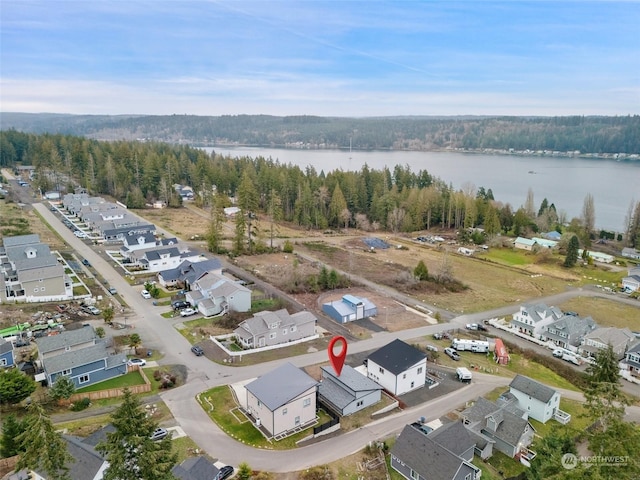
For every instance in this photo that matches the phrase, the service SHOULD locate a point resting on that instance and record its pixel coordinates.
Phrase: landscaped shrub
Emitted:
(80, 404)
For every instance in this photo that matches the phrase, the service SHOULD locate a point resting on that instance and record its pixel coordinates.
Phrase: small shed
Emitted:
(500, 354)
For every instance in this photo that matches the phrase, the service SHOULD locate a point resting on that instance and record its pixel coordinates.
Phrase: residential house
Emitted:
(67, 341)
(538, 400)
(188, 272)
(214, 294)
(160, 258)
(231, 211)
(420, 456)
(267, 328)
(185, 192)
(137, 242)
(350, 308)
(620, 340)
(7, 358)
(498, 425)
(30, 272)
(545, 243)
(532, 318)
(631, 283)
(398, 367)
(568, 331)
(553, 235)
(598, 256)
(631, 360)
(115, 231)
(524, 243)
(195, 468)
(283, 400)
(348, 392)
(79, 355)
(631, 253)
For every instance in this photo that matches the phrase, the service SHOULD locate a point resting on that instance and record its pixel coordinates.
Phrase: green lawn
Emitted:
(221, 407)
(128, 380)
(508, 256)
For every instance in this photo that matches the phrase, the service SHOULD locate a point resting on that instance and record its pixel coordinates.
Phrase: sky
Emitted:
(329, 58)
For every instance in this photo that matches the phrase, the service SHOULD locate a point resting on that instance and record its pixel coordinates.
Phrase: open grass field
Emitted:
(606, 313)
(15, 220)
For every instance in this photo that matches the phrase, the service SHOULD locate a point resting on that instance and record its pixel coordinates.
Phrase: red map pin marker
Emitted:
(337, 360)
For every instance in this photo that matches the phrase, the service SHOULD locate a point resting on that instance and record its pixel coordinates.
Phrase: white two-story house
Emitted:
(398, 367)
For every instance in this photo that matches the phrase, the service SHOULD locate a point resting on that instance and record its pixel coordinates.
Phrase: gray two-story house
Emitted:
(266, 328)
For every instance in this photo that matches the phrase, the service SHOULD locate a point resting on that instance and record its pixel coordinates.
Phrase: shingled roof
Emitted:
(534, 389)
(397, 356)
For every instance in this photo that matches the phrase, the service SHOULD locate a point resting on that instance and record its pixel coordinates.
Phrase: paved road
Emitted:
(203, 374)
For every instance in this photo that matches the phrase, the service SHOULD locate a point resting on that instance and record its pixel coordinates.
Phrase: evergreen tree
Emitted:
(11, 430)
(274, 210)
(248, 203)
(131, 453)
(323, 278)
(605, 401)
(240, 230)
(421, 272)
(62, 388)
(15, 386)
(572, 252)
(244, 472)
(43, 449)
(550, 449)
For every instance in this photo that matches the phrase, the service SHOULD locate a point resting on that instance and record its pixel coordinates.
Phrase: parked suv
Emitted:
(451, 352)
(180, 304)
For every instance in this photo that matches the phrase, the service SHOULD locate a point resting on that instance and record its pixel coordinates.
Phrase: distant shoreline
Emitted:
(620, 157)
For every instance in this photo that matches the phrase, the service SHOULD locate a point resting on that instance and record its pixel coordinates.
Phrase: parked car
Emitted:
(432, 348)
(180, 304)
(438, 336)
(91, 309)
(112, 290)
(451, 352)
(159, 434)
(86, 263)
(145, 294)
(197, 350)
(557, 353)
(187, 311)
(225, 472)
(80, 234)
(141, 362)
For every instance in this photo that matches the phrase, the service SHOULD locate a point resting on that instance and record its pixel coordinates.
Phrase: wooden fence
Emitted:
(114, 392)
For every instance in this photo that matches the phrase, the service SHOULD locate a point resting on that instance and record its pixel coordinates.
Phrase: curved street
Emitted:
(160, 334)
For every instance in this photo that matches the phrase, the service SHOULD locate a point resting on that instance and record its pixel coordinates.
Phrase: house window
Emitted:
(83, 378)
(284, 411)
(67, 348)
(42, 289)
(66, 372)
(35, 290)
(381, 370)
(272, 335)
(467, 476)
(419, 370)
(404, 375)
(293, 329)
(413, 474)
(3, 361)
(259, 403)
(284, 331)
(306, 402)
(412, 383)
(297, 421)
(360, 403)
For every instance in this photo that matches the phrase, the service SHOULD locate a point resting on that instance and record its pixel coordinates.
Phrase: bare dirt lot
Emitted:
(281, 270)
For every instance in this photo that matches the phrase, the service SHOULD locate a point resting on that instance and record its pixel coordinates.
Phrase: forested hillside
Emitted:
(138, 173)
(588, 135)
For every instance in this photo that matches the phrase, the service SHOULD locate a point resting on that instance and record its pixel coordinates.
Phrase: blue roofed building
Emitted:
(350, 308)
(6, 353)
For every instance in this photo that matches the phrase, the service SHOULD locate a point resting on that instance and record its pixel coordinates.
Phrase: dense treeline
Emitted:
(592, 135)
(138, 173)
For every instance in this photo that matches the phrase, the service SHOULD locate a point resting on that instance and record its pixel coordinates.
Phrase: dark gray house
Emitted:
(502, 426)
(188, 272)
(434, 456)
(569, 330)
(348, 393)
